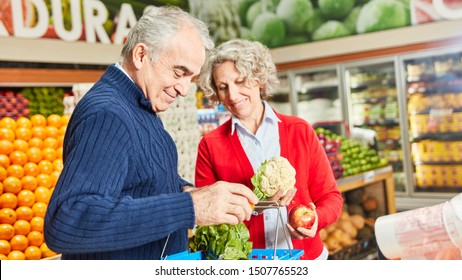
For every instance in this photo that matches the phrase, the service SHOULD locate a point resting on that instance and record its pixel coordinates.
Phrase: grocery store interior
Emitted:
(393, 96)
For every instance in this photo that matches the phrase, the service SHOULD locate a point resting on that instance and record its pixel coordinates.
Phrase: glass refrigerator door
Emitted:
(317, 94)
(434, 93)
(373, 103)
(280, 99)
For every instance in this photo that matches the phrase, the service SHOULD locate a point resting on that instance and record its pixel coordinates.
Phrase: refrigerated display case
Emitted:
(317, 94)
(412, 100)
(433, 91)
(281, 98)
(372, 97)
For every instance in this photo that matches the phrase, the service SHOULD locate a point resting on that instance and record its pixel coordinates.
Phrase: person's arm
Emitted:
(93, 207)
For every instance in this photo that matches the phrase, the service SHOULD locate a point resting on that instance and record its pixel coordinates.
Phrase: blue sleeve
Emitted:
(91, 209)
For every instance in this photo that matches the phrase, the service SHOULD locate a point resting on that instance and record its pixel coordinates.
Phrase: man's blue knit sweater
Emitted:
(119, 194)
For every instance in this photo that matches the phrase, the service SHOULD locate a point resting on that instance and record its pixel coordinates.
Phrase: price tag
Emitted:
(369, 176)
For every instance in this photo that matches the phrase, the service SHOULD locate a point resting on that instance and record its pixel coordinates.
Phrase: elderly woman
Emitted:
(240, 74)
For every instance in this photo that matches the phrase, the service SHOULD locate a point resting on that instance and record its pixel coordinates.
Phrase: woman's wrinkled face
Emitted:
(171, 75)
(240, 97)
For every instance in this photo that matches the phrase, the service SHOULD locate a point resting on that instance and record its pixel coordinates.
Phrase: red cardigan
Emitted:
(221, 157)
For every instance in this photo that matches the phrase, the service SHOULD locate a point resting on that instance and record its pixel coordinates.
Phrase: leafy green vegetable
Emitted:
(269, 29)
(381, 15)
(335, 9)
(329, 30)
(224, 242)
(295, 14)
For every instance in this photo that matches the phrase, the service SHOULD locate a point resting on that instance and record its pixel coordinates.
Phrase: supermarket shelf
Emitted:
(384, 174)
(26, 77)
(361, 43)
(57, 51)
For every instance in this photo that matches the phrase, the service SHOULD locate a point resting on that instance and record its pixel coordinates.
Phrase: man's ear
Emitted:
(139, 55)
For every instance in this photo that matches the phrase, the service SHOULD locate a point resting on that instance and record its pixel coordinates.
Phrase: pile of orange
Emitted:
(30, 165)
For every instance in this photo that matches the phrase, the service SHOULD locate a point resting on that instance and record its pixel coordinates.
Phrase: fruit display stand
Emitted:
(367, 196)
(381, 176)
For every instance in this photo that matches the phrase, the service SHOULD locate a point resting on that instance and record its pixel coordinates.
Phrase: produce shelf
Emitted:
(382, 175)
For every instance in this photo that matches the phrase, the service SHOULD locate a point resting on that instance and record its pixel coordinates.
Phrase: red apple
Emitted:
(301, 216)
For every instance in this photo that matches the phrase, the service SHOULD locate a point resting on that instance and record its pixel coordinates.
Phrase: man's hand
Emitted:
(222, 203)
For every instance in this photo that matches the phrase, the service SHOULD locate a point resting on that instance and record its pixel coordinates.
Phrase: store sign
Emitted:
(275, 23)
(87, 20)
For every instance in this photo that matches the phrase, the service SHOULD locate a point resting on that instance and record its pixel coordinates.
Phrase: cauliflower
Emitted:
(273, 175)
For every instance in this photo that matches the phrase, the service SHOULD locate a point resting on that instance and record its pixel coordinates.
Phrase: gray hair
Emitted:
(157, 26)
(253, 61)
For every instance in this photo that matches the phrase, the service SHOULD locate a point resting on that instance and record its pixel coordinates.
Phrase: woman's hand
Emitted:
(283, 200)
(302, 233)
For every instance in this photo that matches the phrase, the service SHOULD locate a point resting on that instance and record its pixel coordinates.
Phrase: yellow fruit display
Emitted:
(30, 165)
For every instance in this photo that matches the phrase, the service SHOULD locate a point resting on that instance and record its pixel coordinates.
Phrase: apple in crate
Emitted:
(301, 216)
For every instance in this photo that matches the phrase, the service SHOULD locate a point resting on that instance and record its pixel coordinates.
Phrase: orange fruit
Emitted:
(54, 176)
(52, 132)
(31, 169)
(8, 122)
(49, 153)
(18, 157)
(42, 194)
(16, 255)
(44, 180)
(54, 120)
(26, 198)
(46, 166)
(36, 142)
(59, 152)
(3, 257)
(5, 247)
(33, 253)
(35, 238)
(1, 187)
(39, 209)
(23, 133)
(7, 134)
(34, 154)
(15, 170)
(60, 140)
(7, 216)
(29, 183)
(4, 161)
(58, 165)
(39, 132)
(19, 242)
(3, 173)
(46, 252)
(6, 232)
(6, 147)
(51, 142)
(22, 227)
(8, 200)
(12, 185)
(24, 213)
(36, 224)
(20, 145)
(65, 119)
(62, 130)
(23, 122)
(38, 120)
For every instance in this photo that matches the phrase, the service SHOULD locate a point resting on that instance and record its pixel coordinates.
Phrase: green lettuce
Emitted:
(224, 242)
